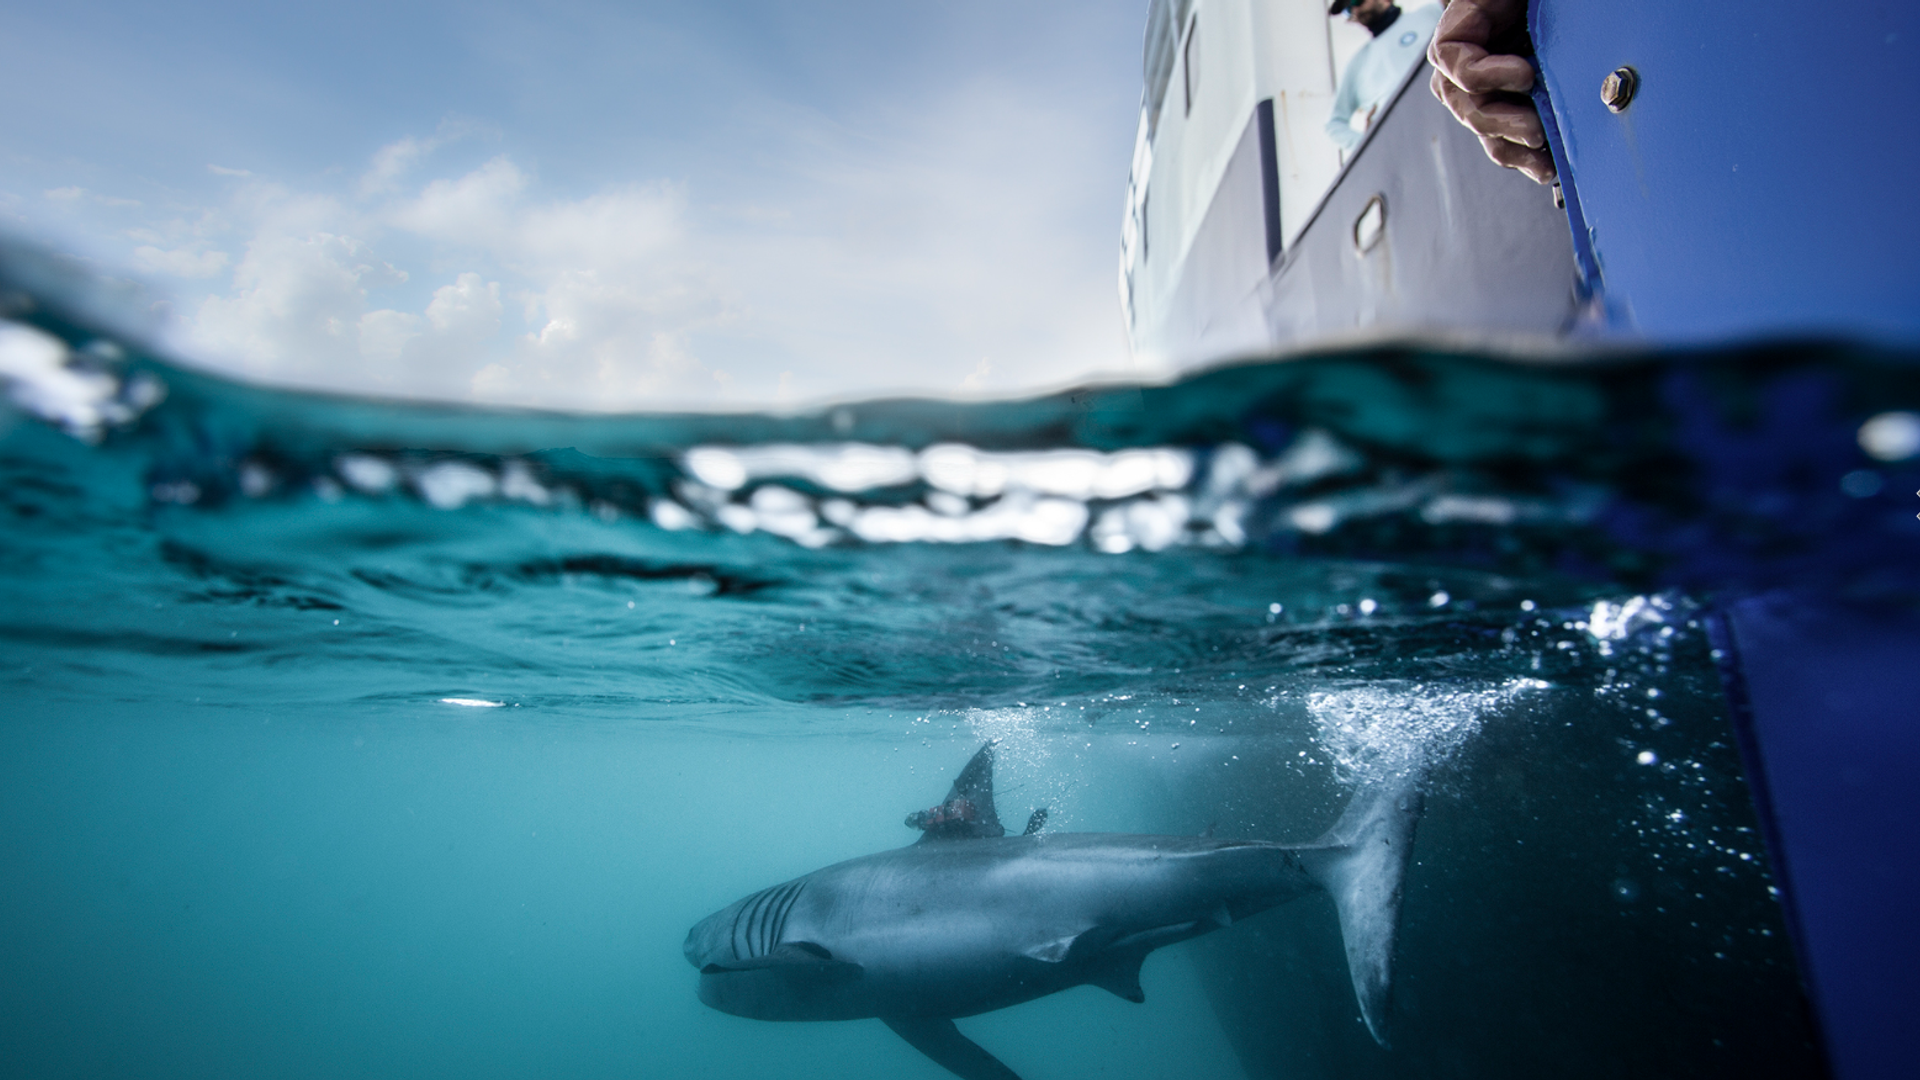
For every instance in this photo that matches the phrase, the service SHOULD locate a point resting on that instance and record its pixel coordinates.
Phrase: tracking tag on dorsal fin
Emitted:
(968, 812)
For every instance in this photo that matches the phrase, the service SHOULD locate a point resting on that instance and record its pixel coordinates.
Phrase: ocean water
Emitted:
(350, 738)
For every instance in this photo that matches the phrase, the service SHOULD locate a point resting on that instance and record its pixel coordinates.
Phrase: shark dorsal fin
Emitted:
(968, 812)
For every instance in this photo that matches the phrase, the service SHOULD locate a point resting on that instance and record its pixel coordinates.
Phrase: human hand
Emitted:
(1477, 84)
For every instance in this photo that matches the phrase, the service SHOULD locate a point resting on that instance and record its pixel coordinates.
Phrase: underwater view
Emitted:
(359, 738)
(1202, 539)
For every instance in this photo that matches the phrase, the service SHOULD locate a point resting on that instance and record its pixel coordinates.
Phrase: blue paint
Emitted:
(1829, 691)
(1755, 186)
(1758, 183)
(1590, 282)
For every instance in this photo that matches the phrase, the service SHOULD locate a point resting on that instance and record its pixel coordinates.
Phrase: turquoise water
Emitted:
(370, 739)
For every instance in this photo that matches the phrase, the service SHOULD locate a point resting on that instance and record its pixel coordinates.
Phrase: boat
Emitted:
(1730, 175)
(1748, 187)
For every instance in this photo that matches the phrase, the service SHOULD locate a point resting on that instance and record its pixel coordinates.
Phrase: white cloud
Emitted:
(920, 256)
(627, 229)
(453, 339)
(472, 211)
(74, 199)
(934, 252)
(390, 163)
(396, 159)
(606, 289)
(490, 383)
(385, 334)
(469, 307)
(296, 306)
(189, 261)
(922, 193)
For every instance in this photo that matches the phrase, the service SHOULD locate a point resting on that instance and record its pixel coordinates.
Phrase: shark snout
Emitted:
(703, 941)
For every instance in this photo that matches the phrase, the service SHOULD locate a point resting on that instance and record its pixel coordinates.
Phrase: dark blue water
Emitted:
(357, 738)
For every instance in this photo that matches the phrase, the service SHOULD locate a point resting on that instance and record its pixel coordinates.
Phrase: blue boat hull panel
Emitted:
(1759, 183)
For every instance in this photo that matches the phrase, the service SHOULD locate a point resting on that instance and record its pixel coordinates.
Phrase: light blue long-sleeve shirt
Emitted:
(1377, 69)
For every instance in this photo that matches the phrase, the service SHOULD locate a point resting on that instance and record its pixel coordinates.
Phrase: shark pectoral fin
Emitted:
(1116, 967)
(940, 1040)
(1118, 973)
(794, 957)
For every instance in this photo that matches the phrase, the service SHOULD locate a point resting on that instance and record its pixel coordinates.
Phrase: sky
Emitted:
(592, 205)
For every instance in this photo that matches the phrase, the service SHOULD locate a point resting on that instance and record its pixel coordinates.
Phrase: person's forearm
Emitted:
(1340, 130)
(1475, 82)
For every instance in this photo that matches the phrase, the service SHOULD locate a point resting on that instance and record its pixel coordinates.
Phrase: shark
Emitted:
(968, 919)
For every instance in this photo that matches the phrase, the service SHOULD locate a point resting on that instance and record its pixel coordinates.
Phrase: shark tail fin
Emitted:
(1362, 863)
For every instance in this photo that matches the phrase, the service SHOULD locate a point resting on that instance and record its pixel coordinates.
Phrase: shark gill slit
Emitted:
(763, 922)
(786, 908)
(757, 929)
(743, 943)
(766, 933)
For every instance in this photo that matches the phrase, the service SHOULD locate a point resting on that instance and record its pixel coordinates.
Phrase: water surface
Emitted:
(354, 738)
